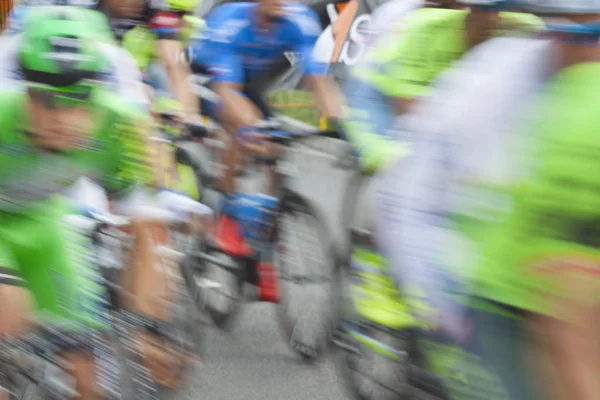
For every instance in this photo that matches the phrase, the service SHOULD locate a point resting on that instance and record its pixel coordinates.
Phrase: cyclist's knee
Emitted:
(16, 304)
(239, 112)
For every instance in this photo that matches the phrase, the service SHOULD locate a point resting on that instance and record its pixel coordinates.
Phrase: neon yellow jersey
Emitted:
(551, 237)
(141, 41)
(431, 40)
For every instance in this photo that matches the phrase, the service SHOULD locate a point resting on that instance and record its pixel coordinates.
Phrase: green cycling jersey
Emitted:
(115, 155)
(38, 249)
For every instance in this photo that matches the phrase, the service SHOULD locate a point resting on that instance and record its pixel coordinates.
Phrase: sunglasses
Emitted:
(56, 99)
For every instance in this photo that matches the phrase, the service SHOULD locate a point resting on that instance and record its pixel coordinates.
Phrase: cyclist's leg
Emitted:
(14, 297)
(503, 341)
(56, 265)
(149, 285)
(257, 99)
(235, 111)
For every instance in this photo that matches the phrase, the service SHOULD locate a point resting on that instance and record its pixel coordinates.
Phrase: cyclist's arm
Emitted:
(228, 83)
(169, 49)
(327, 95)
(326, 91)
(367, 119)
(399, 64)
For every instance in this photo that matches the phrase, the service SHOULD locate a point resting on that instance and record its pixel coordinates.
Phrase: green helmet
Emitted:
(59, 47)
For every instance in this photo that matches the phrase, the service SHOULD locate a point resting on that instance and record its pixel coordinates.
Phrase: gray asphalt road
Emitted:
(252, 361)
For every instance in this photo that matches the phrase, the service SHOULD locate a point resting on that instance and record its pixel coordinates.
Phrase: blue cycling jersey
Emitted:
(234, 48)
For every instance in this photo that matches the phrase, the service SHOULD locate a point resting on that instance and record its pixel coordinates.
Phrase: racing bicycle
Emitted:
(290, 230)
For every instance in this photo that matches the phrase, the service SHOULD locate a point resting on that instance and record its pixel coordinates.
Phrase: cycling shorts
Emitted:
(212, 109)
(39, 251)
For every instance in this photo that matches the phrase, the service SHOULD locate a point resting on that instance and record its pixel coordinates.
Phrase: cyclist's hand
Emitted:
(16, 304)
(196, 130)
(255, 142)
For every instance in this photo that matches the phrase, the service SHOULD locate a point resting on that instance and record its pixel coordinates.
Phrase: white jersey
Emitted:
(466, 136)
(388, 17)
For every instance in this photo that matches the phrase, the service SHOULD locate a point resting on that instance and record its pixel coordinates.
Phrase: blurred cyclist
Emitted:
(149, 30)
(153, 31)
(498, 195)
(124, 76)
(400, 68)
(242, 40)
(62, 126)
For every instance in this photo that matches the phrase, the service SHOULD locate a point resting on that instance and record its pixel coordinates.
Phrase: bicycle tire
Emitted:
(395, 383)
(125, 390)
(32, 392)
(348, 212)
(192, 270)
(188, 314)
(187, 335)
(293, 203)
(351, 349)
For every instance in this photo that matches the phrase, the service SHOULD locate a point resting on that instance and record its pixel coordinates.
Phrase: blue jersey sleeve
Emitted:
(308, 29)
(218, 50)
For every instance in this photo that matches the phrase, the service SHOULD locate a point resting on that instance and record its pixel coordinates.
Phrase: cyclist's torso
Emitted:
(430, 40)
(551, 231)
(28, 177)
(235, 24)
(439, 203)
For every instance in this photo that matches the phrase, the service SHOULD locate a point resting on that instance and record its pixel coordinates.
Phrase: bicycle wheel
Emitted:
(31, 391)
(113, 377)
(186, 334)
(215, 284)
(368, 374)
(306, 266)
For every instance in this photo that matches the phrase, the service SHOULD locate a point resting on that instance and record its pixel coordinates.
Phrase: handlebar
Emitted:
(90, 220)
(286, 138)
(192, 130)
